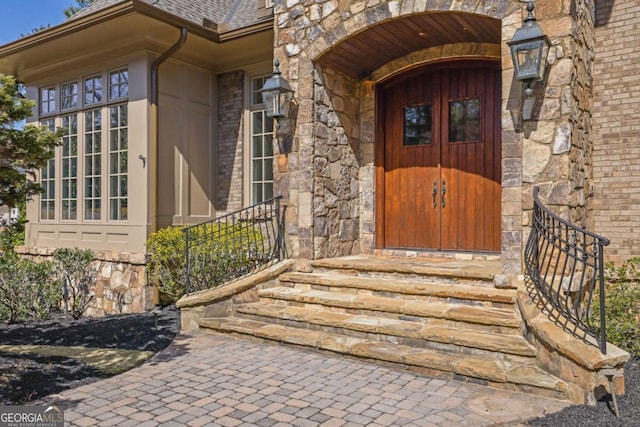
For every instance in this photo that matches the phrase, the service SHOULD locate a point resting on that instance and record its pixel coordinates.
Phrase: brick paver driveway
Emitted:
(210, 379)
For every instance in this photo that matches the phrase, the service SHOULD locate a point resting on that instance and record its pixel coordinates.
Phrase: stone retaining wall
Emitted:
(120, 281)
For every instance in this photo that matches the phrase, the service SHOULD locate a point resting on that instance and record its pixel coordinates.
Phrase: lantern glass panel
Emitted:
(271, 104)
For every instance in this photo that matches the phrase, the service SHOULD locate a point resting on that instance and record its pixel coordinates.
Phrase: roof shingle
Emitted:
(235, 13)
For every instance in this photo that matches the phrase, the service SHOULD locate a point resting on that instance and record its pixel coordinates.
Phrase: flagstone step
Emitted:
(362, 304)
(393, 287)
(468, 270)
(492, 371)
(393, 330)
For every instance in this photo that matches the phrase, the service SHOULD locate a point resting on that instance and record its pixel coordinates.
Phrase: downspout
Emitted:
(153, 163)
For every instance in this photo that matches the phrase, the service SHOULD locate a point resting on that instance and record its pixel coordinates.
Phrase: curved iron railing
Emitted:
(233, 245)
(565, 264)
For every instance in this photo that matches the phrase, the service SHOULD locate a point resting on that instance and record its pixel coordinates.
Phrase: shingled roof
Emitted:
(234, 13)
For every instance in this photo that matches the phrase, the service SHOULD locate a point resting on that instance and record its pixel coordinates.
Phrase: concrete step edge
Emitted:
(469, 366)
(402, 286)
(487, 341)
(455, 312)
(418, 266)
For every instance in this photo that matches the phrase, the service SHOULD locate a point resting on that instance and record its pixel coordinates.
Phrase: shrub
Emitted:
(27, 288)
(76, 278)
(622, 305)
(167, 267)
(219, 252)
(13, 234)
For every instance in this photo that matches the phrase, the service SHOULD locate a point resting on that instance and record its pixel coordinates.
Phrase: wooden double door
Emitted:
(439, 164)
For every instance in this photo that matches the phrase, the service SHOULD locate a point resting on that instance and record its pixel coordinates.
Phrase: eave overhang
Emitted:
(128, 12)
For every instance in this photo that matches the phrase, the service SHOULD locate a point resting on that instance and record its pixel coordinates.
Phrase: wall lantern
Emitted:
(277, 95)
(529, 48)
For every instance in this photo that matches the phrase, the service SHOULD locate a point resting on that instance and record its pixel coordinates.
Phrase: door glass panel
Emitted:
(465, 120)
(417, 125)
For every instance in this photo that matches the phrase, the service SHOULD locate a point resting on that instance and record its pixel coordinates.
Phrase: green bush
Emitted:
(167, 267)
(622, 305)
(76, 278)
(27, 289)
(213, 260)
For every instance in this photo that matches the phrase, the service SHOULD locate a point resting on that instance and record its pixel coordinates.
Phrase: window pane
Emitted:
(257, 122)
(261, 153)
(417, 125)
(257, 170)
(118, 84)
(257, 146)
(118, 162)
(465, 120)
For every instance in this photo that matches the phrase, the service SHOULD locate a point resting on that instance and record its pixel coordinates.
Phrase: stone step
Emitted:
(395, 330)
(467, 270)
(489, 371)
(403, 287)
(488, 316)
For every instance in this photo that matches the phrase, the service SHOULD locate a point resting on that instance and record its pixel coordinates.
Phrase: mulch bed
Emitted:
(602, 414)
(24, 378)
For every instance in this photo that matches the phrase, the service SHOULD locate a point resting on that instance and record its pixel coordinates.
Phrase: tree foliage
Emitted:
(36, 30)
(81, 4)
(22, 151)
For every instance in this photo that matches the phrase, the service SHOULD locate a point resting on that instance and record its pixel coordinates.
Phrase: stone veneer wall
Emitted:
(616, 133)
(556, 148)
(336, 201)
(581, 95)
(120, 281)
(230, 162)
(546, 151)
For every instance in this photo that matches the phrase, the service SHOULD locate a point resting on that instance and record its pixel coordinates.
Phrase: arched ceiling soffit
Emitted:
(368, 50)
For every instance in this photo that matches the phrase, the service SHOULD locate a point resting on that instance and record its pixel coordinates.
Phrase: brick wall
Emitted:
(230, 137)
(616, 126)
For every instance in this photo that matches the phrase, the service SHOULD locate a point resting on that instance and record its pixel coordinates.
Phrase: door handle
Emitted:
(444, 192)
(434, 193)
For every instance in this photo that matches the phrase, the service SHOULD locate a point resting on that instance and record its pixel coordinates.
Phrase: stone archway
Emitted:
(322, 224)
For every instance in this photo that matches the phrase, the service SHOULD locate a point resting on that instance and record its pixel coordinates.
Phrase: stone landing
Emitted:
(438, 316)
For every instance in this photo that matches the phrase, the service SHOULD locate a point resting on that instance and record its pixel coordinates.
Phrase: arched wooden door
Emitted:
(438, 177)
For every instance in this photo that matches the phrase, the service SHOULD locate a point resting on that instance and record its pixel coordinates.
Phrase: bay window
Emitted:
(93, 156)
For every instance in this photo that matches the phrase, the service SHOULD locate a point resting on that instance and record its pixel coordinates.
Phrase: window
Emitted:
(91, 180)
(417, 125)
(119, 84)
(69, 158)
(92, 163)
(48, 182)
(69, 95)
(261, 146)
(118, 141)
(92, 90)
(47, 100)
(464, 120)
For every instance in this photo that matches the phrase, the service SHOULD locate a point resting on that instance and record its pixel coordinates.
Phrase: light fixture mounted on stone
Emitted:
(529, 49)
(277, 95)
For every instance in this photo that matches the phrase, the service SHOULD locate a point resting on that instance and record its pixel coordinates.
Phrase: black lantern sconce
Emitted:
(277, 95)
(529, 49)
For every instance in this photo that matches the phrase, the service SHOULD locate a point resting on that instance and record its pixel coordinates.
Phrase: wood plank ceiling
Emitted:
(370, 49)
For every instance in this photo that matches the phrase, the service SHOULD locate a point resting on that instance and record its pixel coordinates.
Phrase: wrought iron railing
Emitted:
(566, 267)
(233, 245)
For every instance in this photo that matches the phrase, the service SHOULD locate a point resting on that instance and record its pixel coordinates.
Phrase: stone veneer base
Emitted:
(120, 283)
(569, 358)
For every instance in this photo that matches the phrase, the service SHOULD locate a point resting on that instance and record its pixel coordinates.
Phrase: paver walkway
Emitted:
(210, 379)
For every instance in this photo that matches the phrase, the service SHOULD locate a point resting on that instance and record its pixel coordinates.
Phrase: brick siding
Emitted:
(230, 141)
(616, 126)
